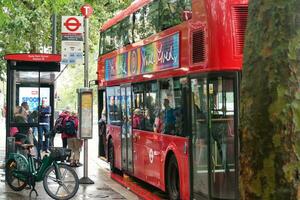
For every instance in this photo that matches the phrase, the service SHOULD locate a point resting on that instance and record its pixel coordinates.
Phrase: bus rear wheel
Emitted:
(173, 184)
(111, 156)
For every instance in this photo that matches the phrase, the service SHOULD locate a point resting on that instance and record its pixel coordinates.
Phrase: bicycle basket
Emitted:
(60, 153)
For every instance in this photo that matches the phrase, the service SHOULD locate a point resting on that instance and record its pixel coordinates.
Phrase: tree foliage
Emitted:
(270, 102)
(25, 26)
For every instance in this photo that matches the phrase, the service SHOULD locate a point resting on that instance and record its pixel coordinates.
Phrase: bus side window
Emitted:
(138, 106)
(172, 101)
(113, 105)
(151, 94)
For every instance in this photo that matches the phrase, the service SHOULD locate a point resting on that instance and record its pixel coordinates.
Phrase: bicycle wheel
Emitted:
(65, 187)
(14, 183)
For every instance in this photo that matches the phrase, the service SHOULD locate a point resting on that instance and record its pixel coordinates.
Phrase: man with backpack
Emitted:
(74, 143)
(59, 126)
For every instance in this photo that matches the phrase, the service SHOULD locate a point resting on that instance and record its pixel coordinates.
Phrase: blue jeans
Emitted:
(43, 131)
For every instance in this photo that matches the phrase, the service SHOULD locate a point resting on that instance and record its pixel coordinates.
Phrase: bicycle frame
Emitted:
(26, 167)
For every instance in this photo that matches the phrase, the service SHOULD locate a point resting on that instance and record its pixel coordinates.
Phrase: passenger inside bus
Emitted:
(148, 120)
(137, 118)
(158, 122)
(169, 118)
(113, 109)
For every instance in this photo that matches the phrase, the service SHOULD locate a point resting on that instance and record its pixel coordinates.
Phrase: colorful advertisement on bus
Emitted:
(156, 56)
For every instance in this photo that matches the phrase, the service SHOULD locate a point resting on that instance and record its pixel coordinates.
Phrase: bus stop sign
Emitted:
(72, 24)
(86, 10)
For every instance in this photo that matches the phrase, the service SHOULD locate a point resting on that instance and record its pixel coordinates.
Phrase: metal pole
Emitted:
(85, 179)
(86, 52)
(54, 33)
(86, 67)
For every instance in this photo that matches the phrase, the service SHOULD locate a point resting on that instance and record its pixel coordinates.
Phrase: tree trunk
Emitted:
(270, 102)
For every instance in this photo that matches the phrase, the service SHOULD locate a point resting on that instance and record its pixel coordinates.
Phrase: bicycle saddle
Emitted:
(27, 146)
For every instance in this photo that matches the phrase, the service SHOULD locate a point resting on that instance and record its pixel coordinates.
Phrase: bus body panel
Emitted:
(178, 146)
(114, 132)
(150, 151)
(138, 155)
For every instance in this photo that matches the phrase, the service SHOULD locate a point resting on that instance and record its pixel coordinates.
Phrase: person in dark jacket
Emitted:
(44, 126)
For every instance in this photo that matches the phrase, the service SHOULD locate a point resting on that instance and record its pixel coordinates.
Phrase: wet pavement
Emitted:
(100, 190)
(104, 187)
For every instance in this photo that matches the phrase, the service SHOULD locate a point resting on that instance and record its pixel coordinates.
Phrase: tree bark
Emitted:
(270, 102)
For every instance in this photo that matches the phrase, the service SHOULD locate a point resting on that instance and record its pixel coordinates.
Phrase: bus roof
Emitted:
(136, 5)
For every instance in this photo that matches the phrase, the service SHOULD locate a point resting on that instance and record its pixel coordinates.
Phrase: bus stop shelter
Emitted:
(30, 79)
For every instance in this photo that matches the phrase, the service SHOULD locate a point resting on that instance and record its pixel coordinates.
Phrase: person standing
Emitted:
(74, 143)
(64, 137)
(44, 126)
(169, 118)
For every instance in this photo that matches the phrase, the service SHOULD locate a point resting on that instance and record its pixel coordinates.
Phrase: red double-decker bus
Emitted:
(169, 76)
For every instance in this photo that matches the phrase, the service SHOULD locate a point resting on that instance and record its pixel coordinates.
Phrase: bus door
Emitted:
(213, 138)
(222, 148)
(200, 138)
(126, 135)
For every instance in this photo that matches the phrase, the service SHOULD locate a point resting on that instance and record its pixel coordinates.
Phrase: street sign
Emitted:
(86, 10)
(72, 24)
(72, 40)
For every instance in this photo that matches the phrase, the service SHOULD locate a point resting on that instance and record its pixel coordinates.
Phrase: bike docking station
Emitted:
(85, 111)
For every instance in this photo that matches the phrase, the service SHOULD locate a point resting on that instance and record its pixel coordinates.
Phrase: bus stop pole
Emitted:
(85, 179)
(54, 28)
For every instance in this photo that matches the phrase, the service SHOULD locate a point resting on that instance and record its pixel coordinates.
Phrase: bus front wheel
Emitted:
(173, 184)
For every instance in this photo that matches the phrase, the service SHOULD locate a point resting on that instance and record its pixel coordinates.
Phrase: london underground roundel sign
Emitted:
(72, 24)
(86, 10)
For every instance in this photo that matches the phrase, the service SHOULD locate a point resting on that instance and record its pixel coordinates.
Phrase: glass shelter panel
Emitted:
(27, 91)
(24, 95)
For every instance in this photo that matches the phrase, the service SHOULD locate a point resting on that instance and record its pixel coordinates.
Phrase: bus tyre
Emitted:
(111, 156)
(173, 183)
(14, 183)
